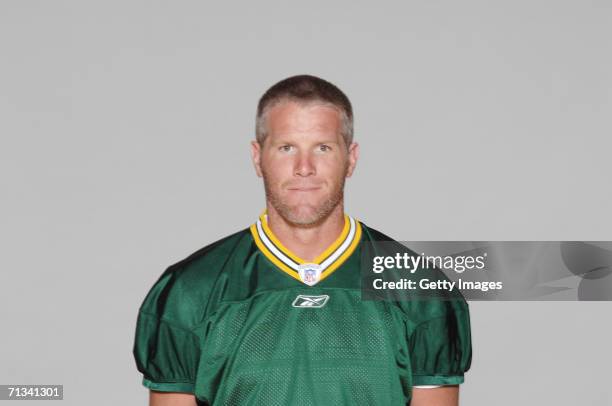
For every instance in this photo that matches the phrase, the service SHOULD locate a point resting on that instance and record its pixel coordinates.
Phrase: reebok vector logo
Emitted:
(310, 301)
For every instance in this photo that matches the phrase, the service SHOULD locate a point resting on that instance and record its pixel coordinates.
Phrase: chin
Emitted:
(307, 215)
(303, 222)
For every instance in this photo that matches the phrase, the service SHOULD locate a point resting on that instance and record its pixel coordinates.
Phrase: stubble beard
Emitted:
(292, 213)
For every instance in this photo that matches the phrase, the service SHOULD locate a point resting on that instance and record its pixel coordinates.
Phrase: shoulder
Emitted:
(381, 243)
(181, 294)
(372, 234)
(418, 306)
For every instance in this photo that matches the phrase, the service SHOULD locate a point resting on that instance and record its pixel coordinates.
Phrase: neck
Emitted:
(307, 242)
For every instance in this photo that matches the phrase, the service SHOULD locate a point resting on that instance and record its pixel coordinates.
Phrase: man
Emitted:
(273, 314)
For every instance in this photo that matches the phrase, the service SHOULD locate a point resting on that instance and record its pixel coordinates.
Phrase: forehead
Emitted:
(290, 118)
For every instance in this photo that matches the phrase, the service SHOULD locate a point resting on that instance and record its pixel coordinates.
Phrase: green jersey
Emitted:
(244, 321)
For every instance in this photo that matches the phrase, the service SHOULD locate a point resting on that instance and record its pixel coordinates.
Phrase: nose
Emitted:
(304, 165)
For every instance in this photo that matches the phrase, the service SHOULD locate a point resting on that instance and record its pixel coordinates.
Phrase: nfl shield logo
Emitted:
(310, 273)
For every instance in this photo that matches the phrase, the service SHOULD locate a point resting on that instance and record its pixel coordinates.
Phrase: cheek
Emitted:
(334, 169)
(276, 170)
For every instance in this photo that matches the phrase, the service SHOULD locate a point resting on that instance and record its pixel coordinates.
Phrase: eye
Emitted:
(324, 148)
(285, 148)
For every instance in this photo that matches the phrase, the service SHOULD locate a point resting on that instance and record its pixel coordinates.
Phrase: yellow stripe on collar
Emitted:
(328, 261)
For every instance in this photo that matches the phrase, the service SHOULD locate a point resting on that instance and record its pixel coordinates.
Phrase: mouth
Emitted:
(304, 188)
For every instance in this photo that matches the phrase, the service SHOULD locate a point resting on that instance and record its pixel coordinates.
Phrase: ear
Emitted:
(256, 157)
(353, 156)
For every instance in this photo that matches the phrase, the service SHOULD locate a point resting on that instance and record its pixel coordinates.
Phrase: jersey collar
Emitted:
(304, 271)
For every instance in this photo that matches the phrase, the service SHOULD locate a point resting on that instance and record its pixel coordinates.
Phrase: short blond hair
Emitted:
(305, 89)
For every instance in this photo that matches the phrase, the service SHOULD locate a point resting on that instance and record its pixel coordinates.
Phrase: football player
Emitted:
(273, 314)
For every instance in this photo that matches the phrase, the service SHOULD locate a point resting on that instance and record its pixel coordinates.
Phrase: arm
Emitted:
(166, 349)
(171, 399)
(440, 354)
(442, 396)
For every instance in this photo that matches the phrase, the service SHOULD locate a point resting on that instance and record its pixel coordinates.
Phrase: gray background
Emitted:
(124, 147)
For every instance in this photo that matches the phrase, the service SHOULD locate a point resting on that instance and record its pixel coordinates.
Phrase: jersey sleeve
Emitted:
(166, 349)
(441, 349)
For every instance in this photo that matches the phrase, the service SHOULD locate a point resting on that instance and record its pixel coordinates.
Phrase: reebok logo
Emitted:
(310, 301)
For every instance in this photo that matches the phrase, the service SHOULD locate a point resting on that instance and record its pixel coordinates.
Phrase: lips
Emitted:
(304, 188)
